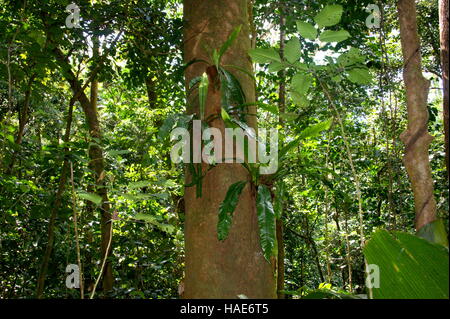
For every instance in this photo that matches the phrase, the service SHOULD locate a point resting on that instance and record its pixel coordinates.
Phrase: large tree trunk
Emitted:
(416, 136)
(443, 26)
(235, 266)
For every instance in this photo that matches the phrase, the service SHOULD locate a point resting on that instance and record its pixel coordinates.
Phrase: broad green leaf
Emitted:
(306, 30)
(434, 232)
(310, 131)
(139, 184)
(316, 129)
(260, 55)
(232, 94)
(359, 76)
(329, 16)
(228, 42)
(96, 199)
(334, 36)
(290, 116)
(38, 36)
(292, 50)
(272, 108)
(113, 153)
(301, 82)
(266, 220)
(410, 267)
(299, 99)
(145, 217)
(275, 66)
(227, 208)
(202, 94)
(353, 56)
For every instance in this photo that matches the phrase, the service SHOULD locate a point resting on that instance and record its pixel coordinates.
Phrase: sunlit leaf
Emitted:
(410, 267)
(329, 16)
(306, 30)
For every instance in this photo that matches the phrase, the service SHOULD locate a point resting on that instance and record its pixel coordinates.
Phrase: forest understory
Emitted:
(166, 149)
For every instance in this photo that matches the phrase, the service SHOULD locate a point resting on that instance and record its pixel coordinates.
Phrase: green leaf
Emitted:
(96, 199)
(260, 55)
(353, 56)
(139, 184)
(271, 108)
(359, 76)
(145, 217)
(434, 232)
(310, 131)
(316, 129)
(225, 116)
(410, 267)
(334, 36)
(292, 50)
(329, 16)
(113, 153)
(227, 208)
(290, 116)
(202, 94)
(266, 220)
(306, 30)
(228, 42)
(232, 94)
(275, 66)
(301, 82)
(299, 99)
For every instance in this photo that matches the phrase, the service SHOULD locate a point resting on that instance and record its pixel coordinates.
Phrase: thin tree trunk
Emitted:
(55, 207)
(444, 35)
(23, 119)
(281, 107)
(97, 164)
(416, 137)
(236, 265)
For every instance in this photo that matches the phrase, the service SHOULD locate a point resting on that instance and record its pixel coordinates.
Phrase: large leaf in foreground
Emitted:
(410, 267)
(329, 16)
(266, 220)
(227, 208)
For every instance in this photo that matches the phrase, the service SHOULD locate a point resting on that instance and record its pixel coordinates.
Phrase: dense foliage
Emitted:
(341, 173)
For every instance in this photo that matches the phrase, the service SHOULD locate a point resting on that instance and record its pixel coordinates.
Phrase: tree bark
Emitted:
(444, 34)
(97, 163)
(55, 207)
(416, 137)
(236, 265)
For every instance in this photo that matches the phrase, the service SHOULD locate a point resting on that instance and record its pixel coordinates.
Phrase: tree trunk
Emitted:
(97, 163)
(281, 107)
(55, 207)
(236, 265)
(416, 137)
(23, 119)
(443, 26)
